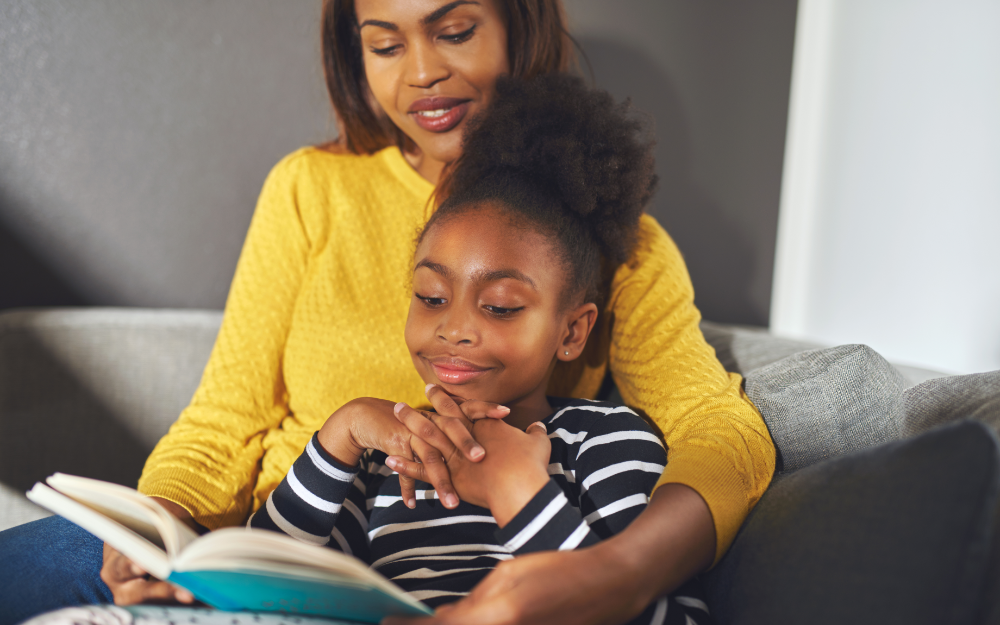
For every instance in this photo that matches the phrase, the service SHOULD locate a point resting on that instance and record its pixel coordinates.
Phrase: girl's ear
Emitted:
(579, 322)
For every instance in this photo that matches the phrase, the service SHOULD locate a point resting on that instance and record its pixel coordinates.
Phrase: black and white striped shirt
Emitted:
(605, 461)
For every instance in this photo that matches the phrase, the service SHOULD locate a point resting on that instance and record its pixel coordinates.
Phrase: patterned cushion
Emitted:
(944, 400)
(825, 403)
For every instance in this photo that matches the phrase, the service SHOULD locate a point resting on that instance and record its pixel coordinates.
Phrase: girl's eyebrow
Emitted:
(481, 276)
(428, 19)
(501, 274)
(435, 267)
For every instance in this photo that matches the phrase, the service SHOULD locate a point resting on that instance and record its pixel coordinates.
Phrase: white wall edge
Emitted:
(801, 179)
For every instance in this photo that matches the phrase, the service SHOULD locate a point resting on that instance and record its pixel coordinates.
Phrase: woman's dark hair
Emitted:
(537, 43)
(567, 160)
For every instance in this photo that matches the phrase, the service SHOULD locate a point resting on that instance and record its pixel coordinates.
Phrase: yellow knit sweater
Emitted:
(315, 318)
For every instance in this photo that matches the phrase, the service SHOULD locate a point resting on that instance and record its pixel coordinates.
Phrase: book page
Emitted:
(128, 507)
(133, 545)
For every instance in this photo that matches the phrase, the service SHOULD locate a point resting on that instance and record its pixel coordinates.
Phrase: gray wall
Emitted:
(715, 75)
(134, 137)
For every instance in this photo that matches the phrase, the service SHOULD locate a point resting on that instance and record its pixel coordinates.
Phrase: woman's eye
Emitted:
(461, 37)
(388, 51)
(500, 311)
(433, 302)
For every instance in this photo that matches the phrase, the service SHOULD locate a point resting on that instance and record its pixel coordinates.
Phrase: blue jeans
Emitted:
(49, 564)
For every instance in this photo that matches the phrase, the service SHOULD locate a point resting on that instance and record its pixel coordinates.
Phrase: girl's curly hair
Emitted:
(568, 159)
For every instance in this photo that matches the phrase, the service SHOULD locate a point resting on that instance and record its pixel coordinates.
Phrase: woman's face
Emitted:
(487, 318)
(432, 64)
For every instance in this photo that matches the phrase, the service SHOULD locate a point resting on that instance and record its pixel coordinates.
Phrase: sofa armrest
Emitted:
(902, 533)
(90, 391)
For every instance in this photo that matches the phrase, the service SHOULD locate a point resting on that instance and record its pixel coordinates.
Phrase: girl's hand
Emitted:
(449, 427)
(130, 585)
(514, 470)
(439, 435)
(368, 423)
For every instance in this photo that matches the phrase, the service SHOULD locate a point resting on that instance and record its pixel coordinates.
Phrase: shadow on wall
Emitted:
(718, 255)
(26, 279)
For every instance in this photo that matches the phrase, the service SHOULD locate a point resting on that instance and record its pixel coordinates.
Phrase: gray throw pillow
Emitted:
(903, 533)
(941, 401)
(826, 402)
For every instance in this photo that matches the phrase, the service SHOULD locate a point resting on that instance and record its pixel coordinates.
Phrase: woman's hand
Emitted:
(609, 583)
(130, 585)
(581, 587)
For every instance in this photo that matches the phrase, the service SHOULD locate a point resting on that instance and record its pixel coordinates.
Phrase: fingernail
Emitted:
(427, 389)
(137, 571)
(398, 407)
(411, 503)
(390, 462)
(450, 500)
(477, 452)
(541, 425)
(184, 596)
(503, 409)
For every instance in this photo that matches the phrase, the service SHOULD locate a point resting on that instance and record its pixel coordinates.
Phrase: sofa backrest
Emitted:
(89, 391)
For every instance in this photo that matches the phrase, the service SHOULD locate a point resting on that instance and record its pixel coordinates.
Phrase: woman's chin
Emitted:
(443, 147)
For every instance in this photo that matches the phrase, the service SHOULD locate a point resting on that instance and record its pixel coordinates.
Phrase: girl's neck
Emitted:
(426, 166)
(528, 410)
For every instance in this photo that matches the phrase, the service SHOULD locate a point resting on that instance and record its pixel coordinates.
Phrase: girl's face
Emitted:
(431, 65)
(487, 320)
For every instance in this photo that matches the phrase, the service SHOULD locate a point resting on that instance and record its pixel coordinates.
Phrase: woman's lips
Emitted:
(455, 371)
(438, 114)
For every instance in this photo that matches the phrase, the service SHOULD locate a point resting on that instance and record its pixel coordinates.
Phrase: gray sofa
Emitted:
(884, 508)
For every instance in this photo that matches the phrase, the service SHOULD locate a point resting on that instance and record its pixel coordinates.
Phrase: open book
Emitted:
(230, 569)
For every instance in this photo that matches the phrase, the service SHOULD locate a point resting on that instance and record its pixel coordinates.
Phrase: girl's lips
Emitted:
(453, 373)
(440, 119)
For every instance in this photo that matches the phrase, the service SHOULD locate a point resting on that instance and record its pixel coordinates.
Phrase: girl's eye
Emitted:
(432, 302)
(499, 311)
(389, 51)
(461, 37)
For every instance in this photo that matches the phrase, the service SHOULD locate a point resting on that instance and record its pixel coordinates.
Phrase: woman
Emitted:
(404, 77)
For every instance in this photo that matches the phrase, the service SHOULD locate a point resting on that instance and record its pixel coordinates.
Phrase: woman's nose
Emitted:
(425, 67)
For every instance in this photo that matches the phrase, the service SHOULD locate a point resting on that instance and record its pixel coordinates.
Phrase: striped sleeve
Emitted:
(615, 458)
(548, 522)
(309, 499)
(617, 464)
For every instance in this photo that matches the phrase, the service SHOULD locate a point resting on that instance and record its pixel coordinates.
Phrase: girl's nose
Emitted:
(458, 327)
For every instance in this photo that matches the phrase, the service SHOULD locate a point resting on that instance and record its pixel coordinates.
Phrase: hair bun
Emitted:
(570, 142)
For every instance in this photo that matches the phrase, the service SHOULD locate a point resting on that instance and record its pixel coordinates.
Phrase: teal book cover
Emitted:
(244, 590)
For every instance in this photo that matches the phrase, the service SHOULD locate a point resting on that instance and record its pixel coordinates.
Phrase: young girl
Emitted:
(508, 277)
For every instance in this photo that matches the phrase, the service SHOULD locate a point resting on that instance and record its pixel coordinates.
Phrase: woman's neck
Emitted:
(426, 166)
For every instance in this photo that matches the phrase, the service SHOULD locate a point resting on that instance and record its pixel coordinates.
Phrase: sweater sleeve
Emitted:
(309, 502)
(209, 460)
(716, 440)
(615, 463)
